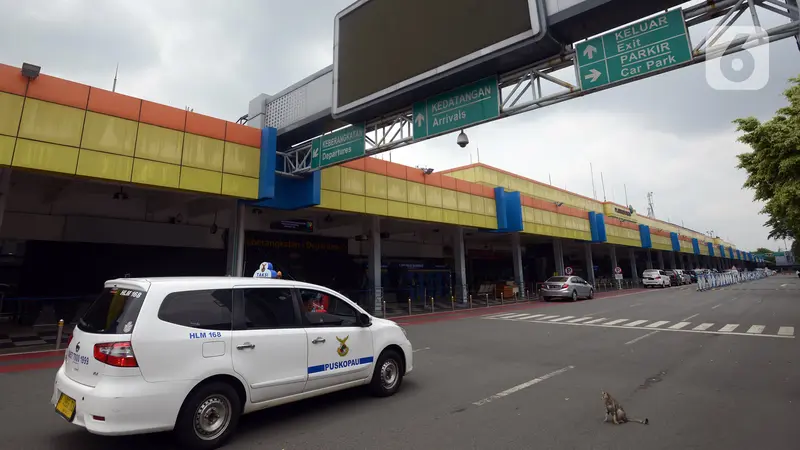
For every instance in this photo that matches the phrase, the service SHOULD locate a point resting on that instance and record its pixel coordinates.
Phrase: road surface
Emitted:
(710, 370)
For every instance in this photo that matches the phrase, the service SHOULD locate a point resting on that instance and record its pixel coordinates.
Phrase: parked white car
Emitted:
(193, 354)
(655, 277)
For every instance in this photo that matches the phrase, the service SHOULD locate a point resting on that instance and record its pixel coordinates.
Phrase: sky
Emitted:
(671, 134)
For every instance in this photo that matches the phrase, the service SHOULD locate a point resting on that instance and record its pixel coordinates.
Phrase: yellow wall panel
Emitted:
(104, 165)
(10, 112)
(201, 180)
(465, 218)
(450, 216)
(354, 203)
(352, 181)
(239, 186)
(159, 144)
(330, 178)
(478, 220)
(396, 189)
(48, 122)
(416, 192)
(528, 214)
(433, 196)
(241, 160)
(449, 199)
(45, 156)
(109, 134)
(468, 174)
(330, 199)
(416, 212)
(156, 173)
(464, 202)
(489, 207)
(6, 149)
(477, 204)
(397, 209)
(491, 222)
(375, 206)
(377, 185)
(434, 214)
(203, 152)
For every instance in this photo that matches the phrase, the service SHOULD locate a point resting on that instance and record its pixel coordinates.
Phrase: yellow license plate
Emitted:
(66, 406)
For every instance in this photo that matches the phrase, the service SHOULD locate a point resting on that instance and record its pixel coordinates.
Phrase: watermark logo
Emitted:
(740, 62)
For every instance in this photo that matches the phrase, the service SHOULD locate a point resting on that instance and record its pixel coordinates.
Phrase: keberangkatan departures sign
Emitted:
(386, 50)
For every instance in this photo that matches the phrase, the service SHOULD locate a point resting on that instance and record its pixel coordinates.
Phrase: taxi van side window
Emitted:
(268, 309)
(206, 309)
(322, 309)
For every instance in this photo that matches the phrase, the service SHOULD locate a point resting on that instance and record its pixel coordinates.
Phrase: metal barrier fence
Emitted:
(715, 280)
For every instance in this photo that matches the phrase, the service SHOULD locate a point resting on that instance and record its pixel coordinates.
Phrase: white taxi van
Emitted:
(193, 354)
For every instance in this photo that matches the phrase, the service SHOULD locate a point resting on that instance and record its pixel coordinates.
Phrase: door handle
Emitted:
(318, 340)
(245, 345)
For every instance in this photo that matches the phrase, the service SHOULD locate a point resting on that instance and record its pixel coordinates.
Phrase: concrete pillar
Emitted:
(516, 254)
(236, 236)
(558, 255)
(696, 261)
(589, 263)
(707, 261)
(649, 259)
(632, 256)
(614, 262)
(375, 297)
(672, 261)
(460, 290)
(660, 255)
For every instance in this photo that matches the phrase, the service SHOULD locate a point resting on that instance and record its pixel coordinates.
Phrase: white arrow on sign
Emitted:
(315, 153)
(590, 51)
(593, 75)
(420, 118)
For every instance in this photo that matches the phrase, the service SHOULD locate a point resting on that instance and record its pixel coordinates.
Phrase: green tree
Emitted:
(773, 167)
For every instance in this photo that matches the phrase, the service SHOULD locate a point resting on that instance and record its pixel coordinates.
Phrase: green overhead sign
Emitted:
(456, 109)
(635, 50)
(338, 147)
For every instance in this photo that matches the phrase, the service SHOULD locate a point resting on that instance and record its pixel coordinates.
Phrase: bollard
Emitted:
(60, 332)
(384, 309)
(409, 306)
(453, 302)
(433, 307)
(470, 301)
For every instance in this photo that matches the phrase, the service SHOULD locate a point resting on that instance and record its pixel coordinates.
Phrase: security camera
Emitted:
(462, 140)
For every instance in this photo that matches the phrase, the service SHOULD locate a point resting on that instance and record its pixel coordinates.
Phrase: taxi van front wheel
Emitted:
(388, 374)
(208, 417)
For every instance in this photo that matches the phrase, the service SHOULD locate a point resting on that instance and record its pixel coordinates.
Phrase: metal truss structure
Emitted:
(522, 90)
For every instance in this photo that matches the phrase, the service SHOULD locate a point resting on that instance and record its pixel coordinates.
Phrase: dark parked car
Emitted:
(693, 275)
(674, 278)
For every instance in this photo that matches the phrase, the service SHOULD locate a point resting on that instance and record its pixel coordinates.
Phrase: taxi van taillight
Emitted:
(118, 354)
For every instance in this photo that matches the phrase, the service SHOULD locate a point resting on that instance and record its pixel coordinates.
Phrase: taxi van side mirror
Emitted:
(364, 320)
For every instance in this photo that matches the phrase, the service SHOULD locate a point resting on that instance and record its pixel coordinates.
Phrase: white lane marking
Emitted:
(579, 319)
(515, 316)
(636, 304)
(716, 306)
(595, 321)
(703, 326)
(786, 331)
(784, 285)
(522, 386)
(729, 327)
(635, 323)
(547, 317)
(499, 315)
(615, 322)
(528, 316)
(677, 327)
(641, 337)
(420, 349)
(657, 324)
(756, 329)
(690, 317)
(560, 319)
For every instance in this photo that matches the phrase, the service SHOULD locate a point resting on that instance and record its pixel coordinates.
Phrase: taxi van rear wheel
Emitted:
(208, 417)
(388, 374)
